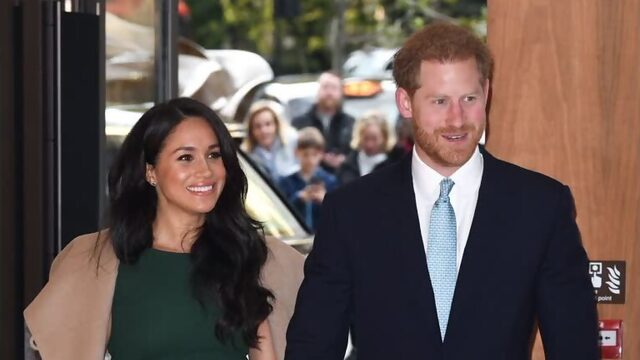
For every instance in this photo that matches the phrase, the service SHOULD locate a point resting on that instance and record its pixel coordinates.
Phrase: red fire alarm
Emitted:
(611, 339)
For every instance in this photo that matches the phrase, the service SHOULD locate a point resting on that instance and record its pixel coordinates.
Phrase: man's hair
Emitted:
(332, 73)
(310, 138)
(443, 42)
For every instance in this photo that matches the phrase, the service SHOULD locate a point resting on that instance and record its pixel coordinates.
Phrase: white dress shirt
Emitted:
(463, 195)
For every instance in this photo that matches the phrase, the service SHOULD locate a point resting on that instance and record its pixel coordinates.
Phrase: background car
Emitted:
(368, 85)
(370, 63)
(297, 94)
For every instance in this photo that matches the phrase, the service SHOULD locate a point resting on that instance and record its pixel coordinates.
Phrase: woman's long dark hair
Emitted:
(229, 251)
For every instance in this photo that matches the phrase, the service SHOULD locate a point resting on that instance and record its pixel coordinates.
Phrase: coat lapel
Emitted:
(490, 212)
(404, 217)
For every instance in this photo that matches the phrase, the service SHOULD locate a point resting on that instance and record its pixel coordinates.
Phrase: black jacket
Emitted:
(349, 170)
(523, 263)
(340, 128)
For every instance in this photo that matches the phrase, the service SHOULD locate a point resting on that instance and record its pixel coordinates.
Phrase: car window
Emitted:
(264, 205)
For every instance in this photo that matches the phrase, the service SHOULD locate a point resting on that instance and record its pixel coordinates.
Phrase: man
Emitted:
(449, 253)
(327, 116)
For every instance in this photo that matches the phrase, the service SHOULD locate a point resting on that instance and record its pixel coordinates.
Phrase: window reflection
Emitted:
(265, 206)
(130, 38)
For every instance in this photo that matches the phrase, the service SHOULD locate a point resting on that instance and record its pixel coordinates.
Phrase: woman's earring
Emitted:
(153, 183)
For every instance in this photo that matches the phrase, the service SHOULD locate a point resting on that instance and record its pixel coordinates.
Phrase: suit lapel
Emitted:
(489, 213)
(404, 219)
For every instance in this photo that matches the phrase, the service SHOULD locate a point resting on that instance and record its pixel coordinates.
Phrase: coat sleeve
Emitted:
(565, 299)
(70, 317)
(282, 274)
(319, 327)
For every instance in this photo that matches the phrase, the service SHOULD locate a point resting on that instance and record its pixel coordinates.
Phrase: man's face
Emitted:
(448, 113)
(330, 92)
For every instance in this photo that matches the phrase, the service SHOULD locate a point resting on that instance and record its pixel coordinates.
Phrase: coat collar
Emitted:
(71, 317)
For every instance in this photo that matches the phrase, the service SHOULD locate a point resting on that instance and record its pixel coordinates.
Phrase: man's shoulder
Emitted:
(303, 120)
(517, 177)
(345, 118)
(370, 186)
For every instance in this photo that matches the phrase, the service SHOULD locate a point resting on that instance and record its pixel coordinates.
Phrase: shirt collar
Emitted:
(427, 181)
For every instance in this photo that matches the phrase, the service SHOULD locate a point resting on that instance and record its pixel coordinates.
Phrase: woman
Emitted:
(270, 141)
(371, 141)
(178, 272)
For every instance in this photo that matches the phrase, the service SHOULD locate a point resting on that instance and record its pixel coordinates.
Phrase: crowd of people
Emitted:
(321, 149)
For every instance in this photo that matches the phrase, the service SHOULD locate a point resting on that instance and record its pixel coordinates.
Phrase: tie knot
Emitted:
(445, 188)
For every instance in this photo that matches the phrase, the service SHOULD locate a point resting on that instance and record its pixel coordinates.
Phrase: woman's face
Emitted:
(263, 128)
(372, 140)
(189, 173)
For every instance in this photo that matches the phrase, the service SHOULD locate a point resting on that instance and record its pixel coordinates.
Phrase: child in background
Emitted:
(305, 189)
(372, 139)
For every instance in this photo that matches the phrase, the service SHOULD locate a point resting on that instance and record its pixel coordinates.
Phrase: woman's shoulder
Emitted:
(69, 318)
(93, 249)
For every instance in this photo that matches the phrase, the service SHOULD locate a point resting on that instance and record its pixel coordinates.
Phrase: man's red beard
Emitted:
(328, 104)
(435, 146)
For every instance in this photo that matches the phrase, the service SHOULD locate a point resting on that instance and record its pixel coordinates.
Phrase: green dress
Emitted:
(156, 317)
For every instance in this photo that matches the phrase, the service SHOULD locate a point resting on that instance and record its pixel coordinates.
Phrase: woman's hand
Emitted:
(265, 350)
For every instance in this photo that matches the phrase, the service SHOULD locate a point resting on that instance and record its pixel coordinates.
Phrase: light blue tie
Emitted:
(441, 254)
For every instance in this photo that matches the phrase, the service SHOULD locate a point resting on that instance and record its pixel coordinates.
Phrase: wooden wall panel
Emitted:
(566, 102)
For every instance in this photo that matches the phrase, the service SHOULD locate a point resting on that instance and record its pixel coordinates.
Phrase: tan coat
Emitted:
(71, 317)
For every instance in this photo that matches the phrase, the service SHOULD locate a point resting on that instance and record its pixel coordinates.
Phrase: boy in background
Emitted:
(306, 188)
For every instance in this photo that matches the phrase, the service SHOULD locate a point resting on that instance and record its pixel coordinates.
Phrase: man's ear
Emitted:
(403, 102)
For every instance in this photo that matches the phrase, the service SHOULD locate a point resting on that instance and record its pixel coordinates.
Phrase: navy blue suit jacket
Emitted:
(523, 264)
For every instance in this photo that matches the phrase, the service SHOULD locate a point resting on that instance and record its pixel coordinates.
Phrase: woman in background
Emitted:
(372, 139)
(270, 141)
(178, 273)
